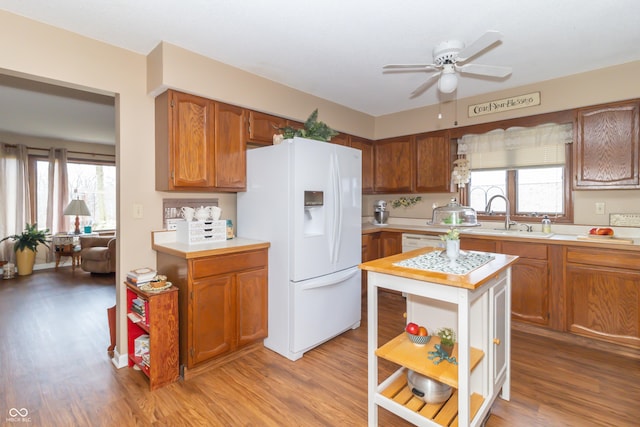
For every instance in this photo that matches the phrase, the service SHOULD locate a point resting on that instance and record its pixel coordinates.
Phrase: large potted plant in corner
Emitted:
(26, 246)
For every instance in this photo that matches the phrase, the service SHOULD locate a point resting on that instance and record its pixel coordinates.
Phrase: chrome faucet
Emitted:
(507, 217)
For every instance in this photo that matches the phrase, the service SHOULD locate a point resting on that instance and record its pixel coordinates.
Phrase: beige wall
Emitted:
(52, 55)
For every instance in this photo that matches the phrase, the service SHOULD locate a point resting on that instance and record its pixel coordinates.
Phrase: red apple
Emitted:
(412, 328)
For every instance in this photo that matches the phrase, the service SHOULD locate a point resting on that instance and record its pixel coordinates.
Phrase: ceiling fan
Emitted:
(447, 59)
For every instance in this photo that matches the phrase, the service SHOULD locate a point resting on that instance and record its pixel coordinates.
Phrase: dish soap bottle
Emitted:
(546, 224)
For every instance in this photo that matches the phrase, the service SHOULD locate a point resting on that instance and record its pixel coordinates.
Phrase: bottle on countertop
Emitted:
(546, 224)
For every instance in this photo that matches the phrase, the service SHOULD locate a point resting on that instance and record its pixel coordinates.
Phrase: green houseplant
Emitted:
(26, 245)
(313, 129)
(447, 339)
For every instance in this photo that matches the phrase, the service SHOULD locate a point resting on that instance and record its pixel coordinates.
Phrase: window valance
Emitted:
(517, 146)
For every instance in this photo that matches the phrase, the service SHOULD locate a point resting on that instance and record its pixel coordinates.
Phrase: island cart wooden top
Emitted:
(472, 280)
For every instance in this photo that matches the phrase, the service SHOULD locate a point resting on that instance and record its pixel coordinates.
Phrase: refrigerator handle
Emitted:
(336, 280)
(339, 207)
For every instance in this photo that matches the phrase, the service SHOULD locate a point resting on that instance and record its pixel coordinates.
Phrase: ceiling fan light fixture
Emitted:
(448, 82)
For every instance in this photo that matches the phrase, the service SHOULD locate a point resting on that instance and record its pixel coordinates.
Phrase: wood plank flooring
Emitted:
(54, 363)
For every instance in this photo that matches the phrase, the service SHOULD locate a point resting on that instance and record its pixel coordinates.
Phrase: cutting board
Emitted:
(613, 240)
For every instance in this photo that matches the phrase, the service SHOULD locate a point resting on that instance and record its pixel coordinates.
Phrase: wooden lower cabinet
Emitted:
(530, 277)
(390, 243)
(223, 303)
(370, 251)
(530, 284)
(603, 295)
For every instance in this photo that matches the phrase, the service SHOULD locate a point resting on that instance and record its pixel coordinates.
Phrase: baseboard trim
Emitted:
(119, 360)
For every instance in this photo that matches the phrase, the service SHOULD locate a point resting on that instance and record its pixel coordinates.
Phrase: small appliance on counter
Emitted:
(454, 215)
(380, 213)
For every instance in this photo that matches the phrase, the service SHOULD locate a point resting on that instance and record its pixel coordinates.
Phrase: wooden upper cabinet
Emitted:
(366, 147)
(262, 127)
(230, 148)
(200, 144)
(434, 158)
(607, 142)
(394, 165)
(184, 141)
(341, 139)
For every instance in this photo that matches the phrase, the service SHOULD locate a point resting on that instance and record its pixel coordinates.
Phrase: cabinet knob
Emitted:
(496, 341)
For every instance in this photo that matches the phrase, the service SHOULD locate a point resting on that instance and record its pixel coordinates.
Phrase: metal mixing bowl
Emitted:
(427, 389)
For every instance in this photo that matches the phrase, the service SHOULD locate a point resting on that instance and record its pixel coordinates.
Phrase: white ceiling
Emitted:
(335, 49)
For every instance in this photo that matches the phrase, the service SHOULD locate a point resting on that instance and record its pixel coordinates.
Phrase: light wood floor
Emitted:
(54, 363)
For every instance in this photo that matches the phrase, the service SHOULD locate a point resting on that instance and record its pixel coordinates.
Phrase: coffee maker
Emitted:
(380, 213)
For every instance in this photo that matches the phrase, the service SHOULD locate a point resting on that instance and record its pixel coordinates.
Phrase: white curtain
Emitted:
(15, 210)
(517, 147)
(58, 193)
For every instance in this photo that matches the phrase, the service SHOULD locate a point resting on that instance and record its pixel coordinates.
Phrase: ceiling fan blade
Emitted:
(484, 70)
(426, 67)
(424, 86)
(486, 40)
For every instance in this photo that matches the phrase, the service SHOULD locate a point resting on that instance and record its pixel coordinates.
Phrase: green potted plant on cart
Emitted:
(447, 340)
(26, 245)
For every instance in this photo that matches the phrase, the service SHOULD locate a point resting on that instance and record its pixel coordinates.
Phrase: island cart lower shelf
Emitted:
(394, 395)
(402, 351)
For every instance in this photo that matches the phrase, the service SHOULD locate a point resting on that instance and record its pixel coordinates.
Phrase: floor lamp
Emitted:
(78, 208)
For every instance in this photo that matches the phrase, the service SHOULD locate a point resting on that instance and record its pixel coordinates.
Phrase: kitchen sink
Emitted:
(503, 232)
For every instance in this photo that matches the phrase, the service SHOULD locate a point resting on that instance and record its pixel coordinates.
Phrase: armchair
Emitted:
(98, 254)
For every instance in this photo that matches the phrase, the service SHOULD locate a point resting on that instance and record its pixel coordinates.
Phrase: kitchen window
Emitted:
(528, 166)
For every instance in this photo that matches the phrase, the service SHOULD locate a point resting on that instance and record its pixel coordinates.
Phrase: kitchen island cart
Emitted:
(476, 304)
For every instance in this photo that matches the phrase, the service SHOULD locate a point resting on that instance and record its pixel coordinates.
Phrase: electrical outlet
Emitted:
(599, 208)
(137, 211)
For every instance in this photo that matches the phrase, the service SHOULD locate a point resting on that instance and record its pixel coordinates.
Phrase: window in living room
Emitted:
(95, 183)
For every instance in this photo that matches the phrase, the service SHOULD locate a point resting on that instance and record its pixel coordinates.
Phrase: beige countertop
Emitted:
(165, 241)
(560, 238)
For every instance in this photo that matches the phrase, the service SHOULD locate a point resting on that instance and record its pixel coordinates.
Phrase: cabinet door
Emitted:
(607, 146)
(251, 303)
(190, 139)
(604, 303)
(263, 126)
(341, 139)
(230, 147)
(530, 282)
(500, 341)
(394, 165)
(366, 147)
(390, 243)
(530, 291)
(213, 318)
(434, 157)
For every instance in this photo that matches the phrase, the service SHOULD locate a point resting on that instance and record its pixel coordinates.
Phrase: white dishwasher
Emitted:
(417, 241)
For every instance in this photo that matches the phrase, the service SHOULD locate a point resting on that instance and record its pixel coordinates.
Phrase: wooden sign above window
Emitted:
(506, 104)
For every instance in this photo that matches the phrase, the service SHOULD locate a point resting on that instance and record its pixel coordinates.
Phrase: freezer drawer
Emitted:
(325, 307)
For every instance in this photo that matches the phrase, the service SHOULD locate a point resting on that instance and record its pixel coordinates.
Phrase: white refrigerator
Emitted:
(305, 198)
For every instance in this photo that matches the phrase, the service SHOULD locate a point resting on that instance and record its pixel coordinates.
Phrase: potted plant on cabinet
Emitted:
(26, 246)
(447, 339)
(313, 129)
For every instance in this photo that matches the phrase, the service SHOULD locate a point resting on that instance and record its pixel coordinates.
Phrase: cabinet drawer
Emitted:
(525, 250)
(603, 258)
(221, 264)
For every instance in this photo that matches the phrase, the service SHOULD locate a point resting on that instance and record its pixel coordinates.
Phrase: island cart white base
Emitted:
(477, 306)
